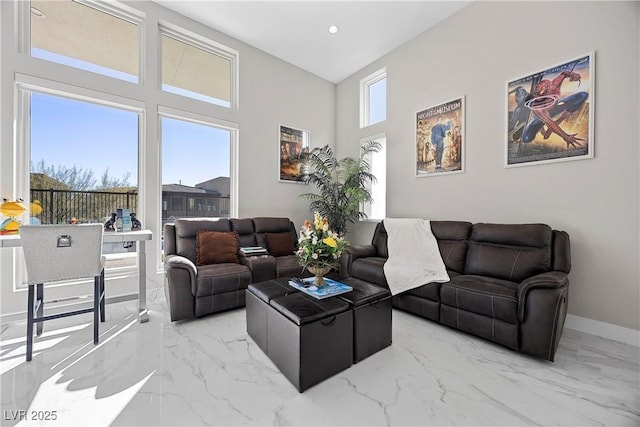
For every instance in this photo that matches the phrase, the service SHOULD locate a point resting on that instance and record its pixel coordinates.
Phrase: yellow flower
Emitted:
(330, 241)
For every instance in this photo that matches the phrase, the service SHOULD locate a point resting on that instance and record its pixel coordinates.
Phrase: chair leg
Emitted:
(30, 323)
(103, 296)
(40, 302)
(96, 308)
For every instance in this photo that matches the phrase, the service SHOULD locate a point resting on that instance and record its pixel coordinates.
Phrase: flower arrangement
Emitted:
(318, 246)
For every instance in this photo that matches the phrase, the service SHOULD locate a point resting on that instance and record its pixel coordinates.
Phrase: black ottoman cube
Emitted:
(371, 317)
(308, 339)
(258, 296)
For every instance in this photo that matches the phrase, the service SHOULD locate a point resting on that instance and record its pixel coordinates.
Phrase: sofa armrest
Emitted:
(548, 280)
(352, 253)
(180, 287)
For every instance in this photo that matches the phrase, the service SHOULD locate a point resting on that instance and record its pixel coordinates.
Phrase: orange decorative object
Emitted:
(11, 209)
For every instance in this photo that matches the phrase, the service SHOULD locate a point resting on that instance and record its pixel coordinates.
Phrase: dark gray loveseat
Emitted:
(509, 282)
(194, 290)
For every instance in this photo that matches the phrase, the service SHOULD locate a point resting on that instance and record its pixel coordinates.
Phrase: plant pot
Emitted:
(319, 273)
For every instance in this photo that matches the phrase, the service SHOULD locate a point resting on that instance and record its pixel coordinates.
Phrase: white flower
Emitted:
(314, 256)
(314, 241)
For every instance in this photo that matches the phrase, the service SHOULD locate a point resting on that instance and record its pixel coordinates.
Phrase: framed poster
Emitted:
(440, 140)
(294, 144)
(550, 114)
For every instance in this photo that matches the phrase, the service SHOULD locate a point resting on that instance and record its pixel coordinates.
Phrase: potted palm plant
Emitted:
(343, 185)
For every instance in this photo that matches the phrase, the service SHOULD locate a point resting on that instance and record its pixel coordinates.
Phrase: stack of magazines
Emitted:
(253, 250)
(331, 289)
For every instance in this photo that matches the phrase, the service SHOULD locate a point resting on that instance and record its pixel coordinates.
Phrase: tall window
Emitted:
(83, 164)
(196, 68)
(377, 209)
(373, 98)
(196, 170)
(104, 41)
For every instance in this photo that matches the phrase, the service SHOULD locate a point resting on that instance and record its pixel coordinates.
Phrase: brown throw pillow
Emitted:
(215, 247)
(279, 244)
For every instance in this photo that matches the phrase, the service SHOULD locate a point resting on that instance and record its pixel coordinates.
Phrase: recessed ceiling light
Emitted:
(37, 12)
(333, 29)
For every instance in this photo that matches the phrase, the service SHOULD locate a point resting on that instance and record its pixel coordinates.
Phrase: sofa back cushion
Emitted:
(246, 231)
(452, 237)
(187, 229)
(216, 247)
(509, 251)
(264, 225)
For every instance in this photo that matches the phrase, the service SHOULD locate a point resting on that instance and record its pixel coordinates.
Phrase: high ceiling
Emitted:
(297, 31)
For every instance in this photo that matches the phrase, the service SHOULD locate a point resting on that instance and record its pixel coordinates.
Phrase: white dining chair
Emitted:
(55, 253)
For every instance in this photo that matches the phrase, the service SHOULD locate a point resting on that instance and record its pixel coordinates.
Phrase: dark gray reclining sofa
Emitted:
(508, 282)
(194, 291)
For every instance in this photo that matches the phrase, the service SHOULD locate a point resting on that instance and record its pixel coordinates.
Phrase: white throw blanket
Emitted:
(414, 258)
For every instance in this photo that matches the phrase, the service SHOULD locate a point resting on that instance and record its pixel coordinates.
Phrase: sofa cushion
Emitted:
(186, 230)
(246, 232)
(494, 298)
(430, 291)
(215, 247)
(369, 269)
(452, 239)
(279, 244)
(511, 252)
(216, 279)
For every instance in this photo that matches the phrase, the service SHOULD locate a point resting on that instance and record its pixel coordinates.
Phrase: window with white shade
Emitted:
(197, 68)
(95, 37)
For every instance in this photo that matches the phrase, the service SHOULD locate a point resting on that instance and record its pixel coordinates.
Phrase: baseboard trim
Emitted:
(602, 329)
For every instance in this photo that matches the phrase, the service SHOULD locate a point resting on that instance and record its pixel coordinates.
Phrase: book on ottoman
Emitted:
(331, 289)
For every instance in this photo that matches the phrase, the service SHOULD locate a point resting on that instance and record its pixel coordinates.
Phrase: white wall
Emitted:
(271, 92)
(474, 53)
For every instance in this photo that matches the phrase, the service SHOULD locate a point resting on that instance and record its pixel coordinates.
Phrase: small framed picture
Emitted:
(550, 114)
(294, 145)
(440, 140)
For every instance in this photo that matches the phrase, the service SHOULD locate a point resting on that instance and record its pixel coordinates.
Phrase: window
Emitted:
(377, 209)
(196, 165)
(197, 68)
(68, 183)
(373, 98)
(104, 41)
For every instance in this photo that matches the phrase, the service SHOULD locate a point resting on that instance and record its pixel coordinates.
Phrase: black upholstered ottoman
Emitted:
(371, 306)
(308, 339)
(257, 298)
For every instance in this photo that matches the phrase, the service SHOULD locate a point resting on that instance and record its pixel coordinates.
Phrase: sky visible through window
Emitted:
(378, 101)
(94, 137)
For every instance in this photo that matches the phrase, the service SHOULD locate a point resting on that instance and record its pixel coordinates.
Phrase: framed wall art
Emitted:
(550, 114)
(294, 144)
(440, 141)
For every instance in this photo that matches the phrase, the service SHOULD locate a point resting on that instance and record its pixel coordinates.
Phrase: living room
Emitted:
(472, 54)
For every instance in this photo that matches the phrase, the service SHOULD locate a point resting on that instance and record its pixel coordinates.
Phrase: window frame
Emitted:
(24, 86)
(190, 117)
(365, 101)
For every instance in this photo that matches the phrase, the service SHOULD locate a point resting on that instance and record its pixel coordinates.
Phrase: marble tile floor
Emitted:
(209, 372)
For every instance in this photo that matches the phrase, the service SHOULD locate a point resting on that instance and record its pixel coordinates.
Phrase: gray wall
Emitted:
(474, 53)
